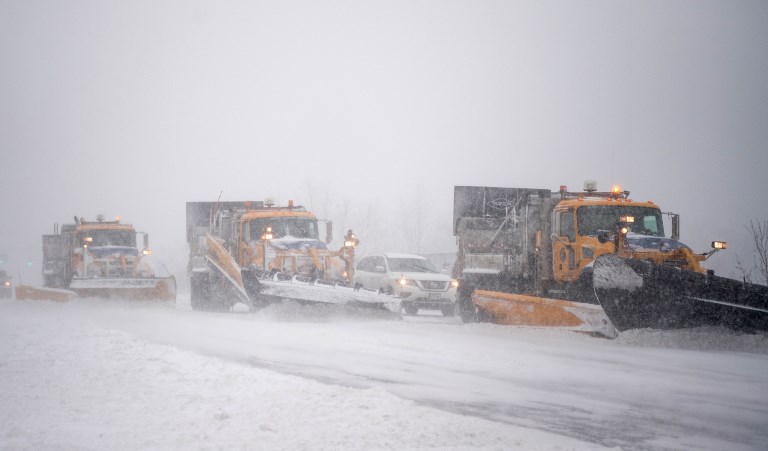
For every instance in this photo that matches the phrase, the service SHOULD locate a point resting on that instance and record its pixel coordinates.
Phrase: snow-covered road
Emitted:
(91, 374)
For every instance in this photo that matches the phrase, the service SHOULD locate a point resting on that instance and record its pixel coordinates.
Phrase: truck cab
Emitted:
(587, 225)
(582, 225)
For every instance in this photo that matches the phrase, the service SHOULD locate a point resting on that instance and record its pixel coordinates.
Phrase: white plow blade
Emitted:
(328, 294)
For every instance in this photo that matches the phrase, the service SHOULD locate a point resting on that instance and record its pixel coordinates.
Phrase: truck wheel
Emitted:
(199, 291)
(467, 309)
(448, 310)
(208, 293)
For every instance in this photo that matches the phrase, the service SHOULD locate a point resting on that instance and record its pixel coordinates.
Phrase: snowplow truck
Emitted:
(588, 260)
(98, 259)
(256, 253)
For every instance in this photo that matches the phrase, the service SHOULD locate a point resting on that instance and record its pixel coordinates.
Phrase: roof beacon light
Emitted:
(719, 245)
(616, 190)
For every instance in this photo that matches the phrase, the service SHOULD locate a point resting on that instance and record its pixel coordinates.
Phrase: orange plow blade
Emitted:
(29, 293)
(527, 310)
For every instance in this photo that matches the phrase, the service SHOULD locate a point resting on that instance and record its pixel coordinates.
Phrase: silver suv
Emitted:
(413, 278)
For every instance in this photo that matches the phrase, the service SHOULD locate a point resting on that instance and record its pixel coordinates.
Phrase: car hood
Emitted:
(422, 276)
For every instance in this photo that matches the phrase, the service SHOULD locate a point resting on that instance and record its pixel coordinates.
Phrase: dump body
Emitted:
(503, 237)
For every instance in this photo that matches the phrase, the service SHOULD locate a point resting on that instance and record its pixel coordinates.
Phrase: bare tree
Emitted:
(759, 232)
(746, 273)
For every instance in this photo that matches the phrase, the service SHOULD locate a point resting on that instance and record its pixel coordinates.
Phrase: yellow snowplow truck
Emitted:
(98, 259)
(592, 261)
(257, 253)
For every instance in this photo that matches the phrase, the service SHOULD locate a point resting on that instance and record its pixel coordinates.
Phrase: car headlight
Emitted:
(454, 283)
(403, 281)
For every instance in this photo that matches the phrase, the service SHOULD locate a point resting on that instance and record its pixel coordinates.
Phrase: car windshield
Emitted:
(296, 227)
(100, 238)
(593, 219)
(411, 265)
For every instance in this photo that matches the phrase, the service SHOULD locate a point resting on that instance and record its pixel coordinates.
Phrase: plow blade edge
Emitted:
(30, 293)
(155, 288)
(283, 287)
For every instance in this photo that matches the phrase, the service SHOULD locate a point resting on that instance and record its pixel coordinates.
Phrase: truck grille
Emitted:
(433, 284)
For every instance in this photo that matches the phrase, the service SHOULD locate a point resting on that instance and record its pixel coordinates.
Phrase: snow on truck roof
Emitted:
(586, 200)
(104, 226)
(274, 213)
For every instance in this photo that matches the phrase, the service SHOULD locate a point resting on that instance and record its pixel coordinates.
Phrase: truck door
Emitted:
(563, 248)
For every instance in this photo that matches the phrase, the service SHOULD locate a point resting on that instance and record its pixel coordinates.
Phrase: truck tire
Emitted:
(449, 310)
(199, 290)
(208, 292)
(467, 310)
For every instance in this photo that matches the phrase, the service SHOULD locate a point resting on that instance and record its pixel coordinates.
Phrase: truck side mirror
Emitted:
(602, 236)
(328, 232)
(146, 241)
(675, 226)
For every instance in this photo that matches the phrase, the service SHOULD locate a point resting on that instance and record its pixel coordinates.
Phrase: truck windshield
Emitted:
(592, 219)
(100, 238)
(295, 227)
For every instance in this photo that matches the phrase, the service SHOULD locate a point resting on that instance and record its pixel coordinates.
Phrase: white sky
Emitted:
(368, 109)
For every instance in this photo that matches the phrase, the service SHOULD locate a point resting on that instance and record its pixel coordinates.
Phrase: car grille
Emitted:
(434, 284)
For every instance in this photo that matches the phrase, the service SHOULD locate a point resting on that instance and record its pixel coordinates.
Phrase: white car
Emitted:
(413, 278)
